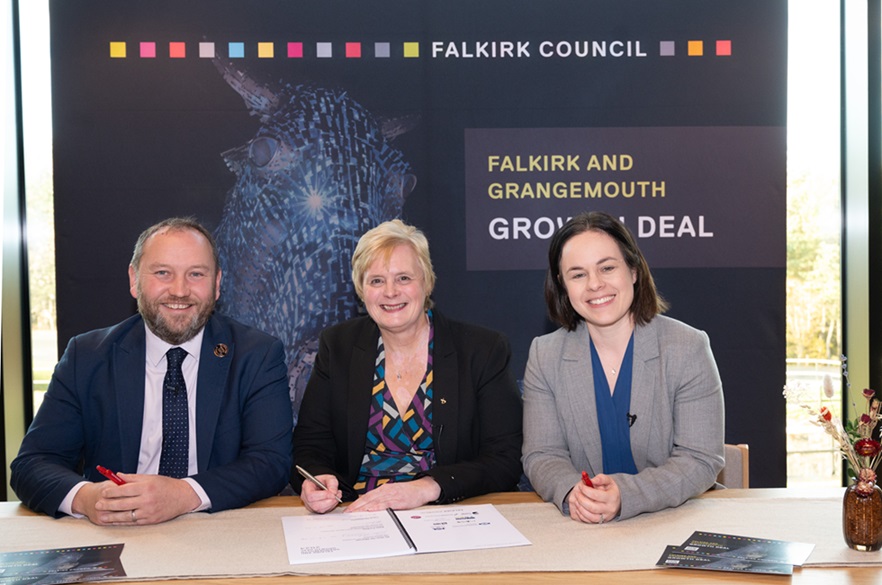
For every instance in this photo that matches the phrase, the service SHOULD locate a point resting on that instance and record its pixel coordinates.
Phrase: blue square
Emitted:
(237, 50)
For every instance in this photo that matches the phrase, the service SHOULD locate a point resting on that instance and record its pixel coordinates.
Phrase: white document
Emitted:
(441, 528)
(338, 537)
(366, 535)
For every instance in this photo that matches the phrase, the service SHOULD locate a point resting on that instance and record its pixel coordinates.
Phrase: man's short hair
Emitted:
(174, 224)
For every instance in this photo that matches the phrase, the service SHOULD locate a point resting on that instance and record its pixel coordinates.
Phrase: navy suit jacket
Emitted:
(476, 410)
(92, 414)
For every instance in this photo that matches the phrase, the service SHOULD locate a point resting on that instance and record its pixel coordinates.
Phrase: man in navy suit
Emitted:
(104, 405)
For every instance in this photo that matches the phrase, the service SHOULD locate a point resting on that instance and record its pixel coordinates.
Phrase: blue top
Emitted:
(613, 413)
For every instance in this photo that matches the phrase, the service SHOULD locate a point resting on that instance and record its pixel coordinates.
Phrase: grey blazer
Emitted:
(676, 439)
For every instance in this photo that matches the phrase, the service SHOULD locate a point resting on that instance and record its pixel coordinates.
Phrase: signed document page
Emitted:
(443, 528)
(365, 535)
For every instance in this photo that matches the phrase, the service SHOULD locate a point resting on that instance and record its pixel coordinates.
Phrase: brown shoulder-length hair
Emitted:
(647, 302)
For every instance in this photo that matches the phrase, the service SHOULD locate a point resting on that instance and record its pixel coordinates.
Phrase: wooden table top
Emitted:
(805, 576)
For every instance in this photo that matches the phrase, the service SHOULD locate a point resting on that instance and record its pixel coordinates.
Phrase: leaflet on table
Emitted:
(61, 565)
(727, 552)
(749, 548)
(678, 557)
(362, 535)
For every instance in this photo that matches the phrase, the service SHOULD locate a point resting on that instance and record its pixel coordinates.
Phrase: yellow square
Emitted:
(265, 51)
(117, 50)
(411, 50)
(696, 48)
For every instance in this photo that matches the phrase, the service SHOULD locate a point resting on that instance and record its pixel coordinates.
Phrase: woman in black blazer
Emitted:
(405, 407)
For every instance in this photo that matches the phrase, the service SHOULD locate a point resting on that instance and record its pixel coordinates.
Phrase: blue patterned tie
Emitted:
(174, 460)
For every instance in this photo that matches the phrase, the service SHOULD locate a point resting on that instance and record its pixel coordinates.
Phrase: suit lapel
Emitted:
(360, 379)
(129, 357)
(577, 378)
(445, 393)
(644, 385)
(211, 385)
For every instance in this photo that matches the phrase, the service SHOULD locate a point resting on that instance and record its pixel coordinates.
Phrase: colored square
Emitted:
(206, 50)
(353, 50)
(666, 49)
(724, 48)
(236, 50)
(295, 50)
(411, 50)
(117, 50)
(148, 50)
(695, 48)
(382, 50)
(266, 51)
(177, 50)
(324, 50)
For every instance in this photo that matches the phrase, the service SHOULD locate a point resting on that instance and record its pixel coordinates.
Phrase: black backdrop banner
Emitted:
(290, 128)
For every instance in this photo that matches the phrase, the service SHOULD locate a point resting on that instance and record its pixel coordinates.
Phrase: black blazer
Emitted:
(476, 411)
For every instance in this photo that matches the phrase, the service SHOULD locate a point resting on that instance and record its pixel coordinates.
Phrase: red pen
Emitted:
(586, 480)
(110, 475)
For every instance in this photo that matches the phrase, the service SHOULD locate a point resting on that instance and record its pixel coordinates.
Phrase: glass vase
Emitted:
(862, 516)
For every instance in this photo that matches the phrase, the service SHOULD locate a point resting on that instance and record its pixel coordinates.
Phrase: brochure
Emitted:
(678, 557)
(745, 547)
(726, 552)
(61, 565)
(343, 536)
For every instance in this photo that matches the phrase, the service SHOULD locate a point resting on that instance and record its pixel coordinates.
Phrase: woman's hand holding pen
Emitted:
(318, 500)
(599, 503)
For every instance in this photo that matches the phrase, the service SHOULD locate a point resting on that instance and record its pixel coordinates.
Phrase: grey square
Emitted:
(324, 50)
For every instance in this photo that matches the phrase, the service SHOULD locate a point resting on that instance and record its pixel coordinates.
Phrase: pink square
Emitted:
(353, 50)
(295, 50)
(148, 50)
(177, 50)
(724, 48)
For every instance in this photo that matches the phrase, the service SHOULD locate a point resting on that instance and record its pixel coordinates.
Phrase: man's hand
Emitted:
(143, 499)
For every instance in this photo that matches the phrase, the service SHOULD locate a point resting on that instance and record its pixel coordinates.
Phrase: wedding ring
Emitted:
(133, 516)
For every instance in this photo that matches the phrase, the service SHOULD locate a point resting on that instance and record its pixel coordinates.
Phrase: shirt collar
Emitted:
(157, 348)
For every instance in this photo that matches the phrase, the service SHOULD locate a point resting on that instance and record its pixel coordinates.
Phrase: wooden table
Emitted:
(810, 575)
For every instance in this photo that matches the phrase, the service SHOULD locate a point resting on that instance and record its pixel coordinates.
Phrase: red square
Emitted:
(177, 50)
(724, 48)
(353, 50)
(295, 50)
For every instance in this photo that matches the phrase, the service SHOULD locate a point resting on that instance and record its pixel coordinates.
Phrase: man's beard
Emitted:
(173, 332)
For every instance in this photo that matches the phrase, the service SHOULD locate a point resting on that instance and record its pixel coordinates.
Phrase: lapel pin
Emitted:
(220, 350)
(443, 401)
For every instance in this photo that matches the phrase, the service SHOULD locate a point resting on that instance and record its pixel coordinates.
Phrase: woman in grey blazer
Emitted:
(629, 397)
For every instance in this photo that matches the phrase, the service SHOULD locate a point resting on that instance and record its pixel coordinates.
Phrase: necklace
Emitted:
(613, 370)
(402, 361)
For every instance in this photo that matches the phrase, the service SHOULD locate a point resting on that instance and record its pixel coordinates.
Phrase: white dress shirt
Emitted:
(151, 429)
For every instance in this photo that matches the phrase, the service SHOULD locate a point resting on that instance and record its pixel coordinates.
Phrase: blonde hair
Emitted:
(380, 241)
